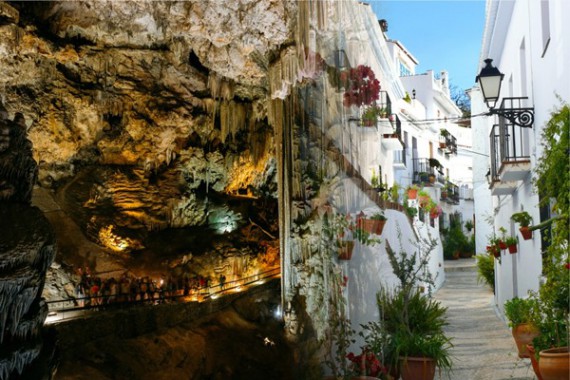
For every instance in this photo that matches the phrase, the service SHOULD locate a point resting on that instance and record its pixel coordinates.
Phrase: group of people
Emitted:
(94, 290)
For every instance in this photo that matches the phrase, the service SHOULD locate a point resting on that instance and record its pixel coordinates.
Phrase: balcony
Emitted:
(513, 147)
(450, 194)
(447, 143)
(510, 157)
(392, 138)
(425, 172)
(498, 186)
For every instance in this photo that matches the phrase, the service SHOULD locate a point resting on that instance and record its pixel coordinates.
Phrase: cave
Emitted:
(179, 160)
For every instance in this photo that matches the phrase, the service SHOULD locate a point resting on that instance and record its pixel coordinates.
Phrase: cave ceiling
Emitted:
(145, 107)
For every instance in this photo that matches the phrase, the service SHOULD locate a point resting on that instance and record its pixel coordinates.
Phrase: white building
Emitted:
(528, 42)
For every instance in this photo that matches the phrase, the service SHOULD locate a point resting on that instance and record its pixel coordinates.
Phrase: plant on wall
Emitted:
(361, 86)
(552, 179)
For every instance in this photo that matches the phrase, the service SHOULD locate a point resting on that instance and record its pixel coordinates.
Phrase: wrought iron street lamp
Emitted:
(489, 80)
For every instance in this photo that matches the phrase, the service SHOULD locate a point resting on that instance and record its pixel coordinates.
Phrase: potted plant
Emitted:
(469, 225)
(413, 192)
(370, 115)
(520, 313)
(374, 224)
(511, 243)
(434, 163)
(413, 323)
(523, 219)
(423, 198)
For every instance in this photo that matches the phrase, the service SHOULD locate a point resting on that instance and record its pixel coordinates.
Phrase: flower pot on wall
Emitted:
(417, 368)
(526, 233)
(554, 363)
(373, 226)
(512, 248)
(502, 245)
(345, 248)
(412, 193)
(524, 334)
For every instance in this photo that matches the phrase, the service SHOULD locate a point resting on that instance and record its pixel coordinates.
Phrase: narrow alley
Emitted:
(484, 348)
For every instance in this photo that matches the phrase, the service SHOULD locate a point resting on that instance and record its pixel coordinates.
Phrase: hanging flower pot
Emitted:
(502, 245)
(373, 226)
(345, 248)
(512, 248)
(424, 200)
(526, 233)
(412, 193)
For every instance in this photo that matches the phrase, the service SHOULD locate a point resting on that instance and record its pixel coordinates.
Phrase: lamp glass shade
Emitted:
(489, 80)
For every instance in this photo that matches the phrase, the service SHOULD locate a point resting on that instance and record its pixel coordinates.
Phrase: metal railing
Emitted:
(495, 156)
(514, 144)
(385, 102)
(71, 308)
(423, 172)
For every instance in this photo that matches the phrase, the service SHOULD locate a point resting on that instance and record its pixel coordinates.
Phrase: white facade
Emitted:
(528, 42)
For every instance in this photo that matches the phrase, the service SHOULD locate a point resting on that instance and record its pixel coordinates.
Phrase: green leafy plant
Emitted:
(552, 179)
(455, 240)
(378, 216)
(411, 323)
(444, 132)
(371, 114)
(469, 225)
(521, 310)
(486, 270)
(395, 192)
(511, 240)
(523, 218)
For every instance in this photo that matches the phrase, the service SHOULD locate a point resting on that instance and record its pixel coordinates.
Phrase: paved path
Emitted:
(484, 347)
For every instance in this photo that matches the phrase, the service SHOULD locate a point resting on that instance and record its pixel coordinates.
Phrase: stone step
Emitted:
(461, 265)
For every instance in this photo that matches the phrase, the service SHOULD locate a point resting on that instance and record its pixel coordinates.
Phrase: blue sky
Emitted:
(442, 35)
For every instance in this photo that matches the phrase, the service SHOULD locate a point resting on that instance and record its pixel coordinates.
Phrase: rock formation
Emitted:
(27, 248)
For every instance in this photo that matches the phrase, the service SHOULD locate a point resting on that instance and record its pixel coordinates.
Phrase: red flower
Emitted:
(367, 363)
(567, 266)
(362, 87)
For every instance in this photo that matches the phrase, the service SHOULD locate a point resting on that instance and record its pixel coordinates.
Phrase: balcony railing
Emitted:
(452, 193)
(498, 185)
(425, 173)
(385, 102)
(514, 144)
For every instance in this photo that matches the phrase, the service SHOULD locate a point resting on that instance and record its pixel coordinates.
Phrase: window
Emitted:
(404, 71)
(545, 16)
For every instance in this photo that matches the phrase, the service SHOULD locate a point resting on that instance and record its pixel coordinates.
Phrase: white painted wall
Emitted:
(513, 38)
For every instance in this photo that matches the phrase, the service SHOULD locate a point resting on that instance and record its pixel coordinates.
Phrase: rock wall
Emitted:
(170, 94)
(27, 248)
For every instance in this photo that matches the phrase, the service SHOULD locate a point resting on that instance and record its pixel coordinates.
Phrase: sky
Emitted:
(441, 35)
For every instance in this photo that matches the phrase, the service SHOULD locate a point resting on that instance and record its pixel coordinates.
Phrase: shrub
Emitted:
(486, 270)
(519, 310)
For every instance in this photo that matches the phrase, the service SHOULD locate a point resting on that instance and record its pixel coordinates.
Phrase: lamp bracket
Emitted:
(521, 116)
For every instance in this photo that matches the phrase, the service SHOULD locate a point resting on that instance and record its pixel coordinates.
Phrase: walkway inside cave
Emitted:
(484, 348)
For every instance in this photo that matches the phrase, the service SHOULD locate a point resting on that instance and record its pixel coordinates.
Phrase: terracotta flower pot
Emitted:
(524, 334)
(412, 193)
(417, 368)
(502, 245)
(554, 364)
(424, 200)
(512, 248)
(526, 233)
(372, 226)
(345, 249)
(533, 361)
